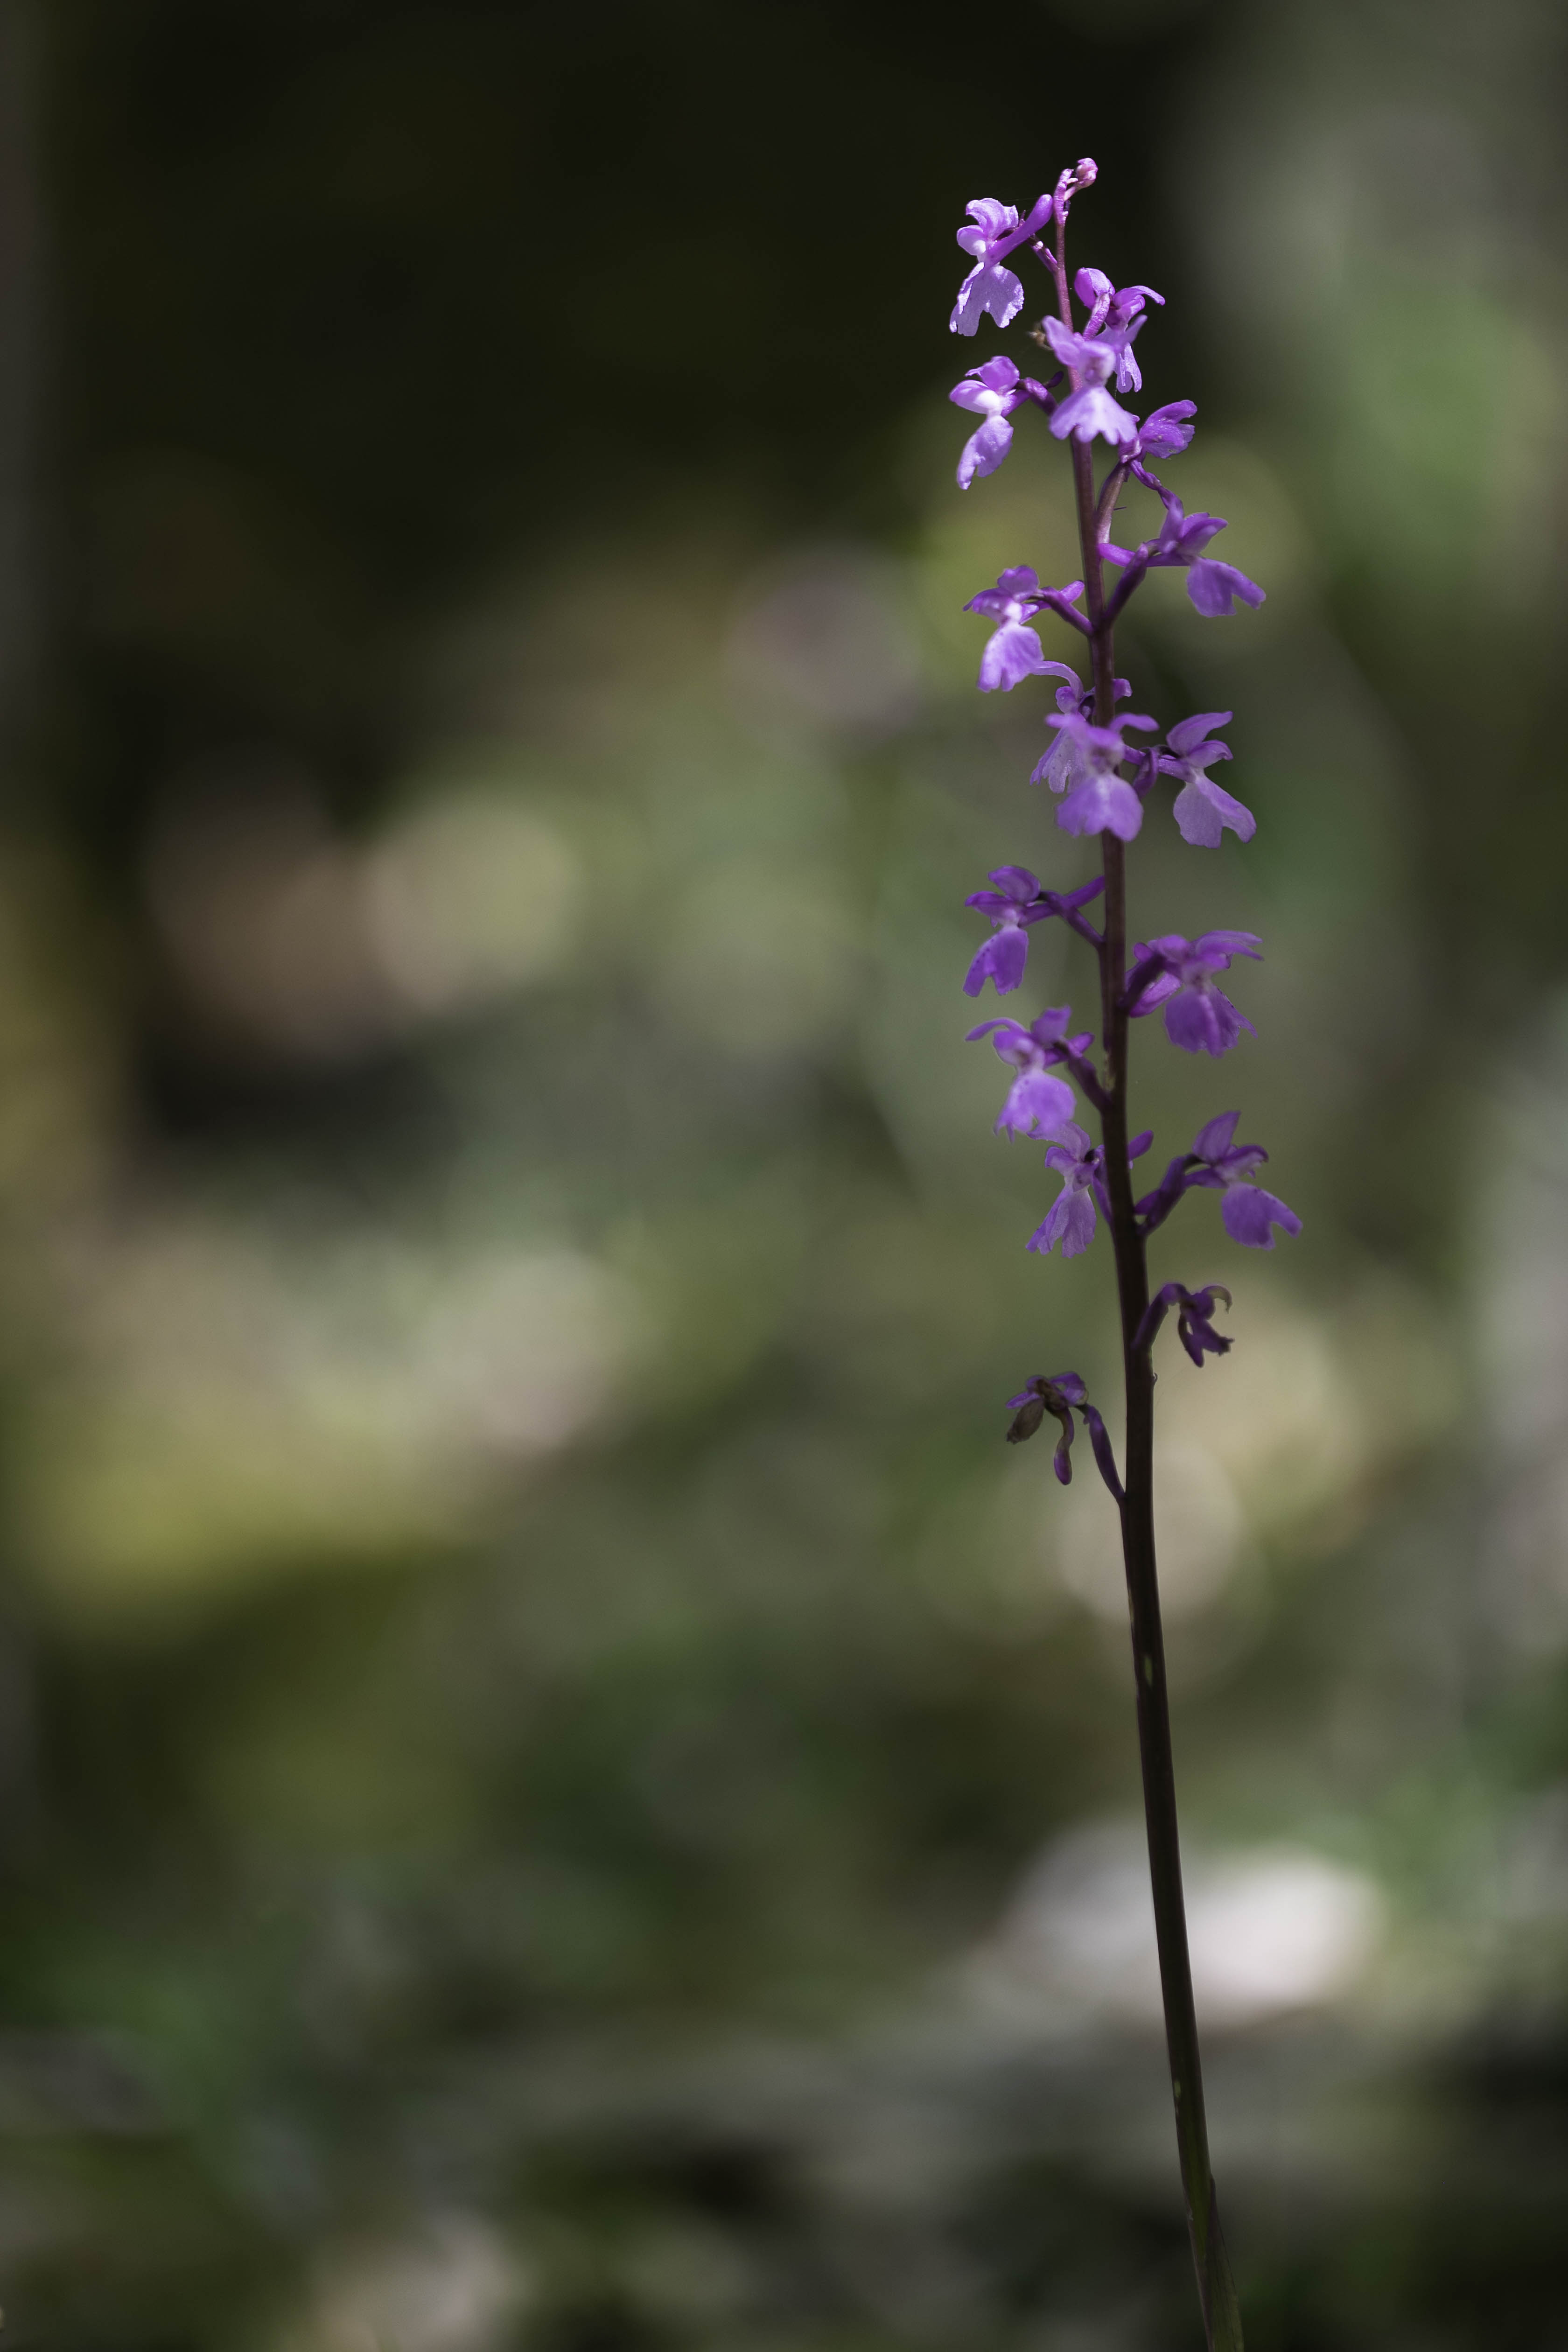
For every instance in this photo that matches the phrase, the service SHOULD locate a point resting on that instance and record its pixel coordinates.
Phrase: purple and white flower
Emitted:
(1061, 764)
(988, 287)
(1012, 650)
(1179, 973)
(1202, 809)
(1247, 1213)
(1100, 801)
(1038, 1103)
(992, 392)
(1088, 409)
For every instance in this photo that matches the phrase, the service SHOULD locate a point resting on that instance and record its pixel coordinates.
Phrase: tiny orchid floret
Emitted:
(1247, 1213)
(998, 231)
(1038, 1103)
(1195, 1324)
(1201, 808)
(1179, 973)
(1210, 585)
(992, 392)
(1017, 901)
(1070, 1219)
(1013, 651)
(1114, 316)
(1058, 1395)
(1100, 801)
(1063, 764)
(1089, 410)
(1164, 433)
(1103, 779)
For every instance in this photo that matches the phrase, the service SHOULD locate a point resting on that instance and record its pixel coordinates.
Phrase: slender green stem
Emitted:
(1217, 2291)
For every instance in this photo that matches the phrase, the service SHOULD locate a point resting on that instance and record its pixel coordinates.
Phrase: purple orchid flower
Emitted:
(1062, 765)
(1115, 317)
(1194, 1326)
(1178, 973)
(1100, 801)
(1038, 1103)
(1070, 1220)
(1202, 809)
(1089, 409)
(1012, 650)
(1247, 1213)
(1212, 585)
(998, 231)
(1017, 901)
(992, 392)
(1164, 433)
(1058, 1395)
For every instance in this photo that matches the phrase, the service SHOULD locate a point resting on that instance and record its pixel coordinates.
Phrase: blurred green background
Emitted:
(559, 1787)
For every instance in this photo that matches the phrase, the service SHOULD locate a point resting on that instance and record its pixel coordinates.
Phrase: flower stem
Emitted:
(1217, 2290)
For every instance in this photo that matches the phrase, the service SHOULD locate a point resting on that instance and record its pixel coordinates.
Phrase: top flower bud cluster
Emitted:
(1077, 400)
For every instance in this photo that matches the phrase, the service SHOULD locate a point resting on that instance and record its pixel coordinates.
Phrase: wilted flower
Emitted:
(1195, 1328)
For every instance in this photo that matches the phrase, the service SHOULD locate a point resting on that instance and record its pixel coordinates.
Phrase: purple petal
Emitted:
(1248, 1213)
(1090, 410)
(998, 374)
(1203, 810)
(1101, 803)
(1167, 433)
(1105, 1460)
(1051, 1026)
(1002, 959)
(1212, 584)
(1021, 886)
(1204, 1021)
(1039, 1104)
(987, 287)
(1188, 734)
(1212, 944)
(1012, 654)
(1153, 993)
(1212, 1141)
(1061, 1460)
(985, 450)
(1069, 1220)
